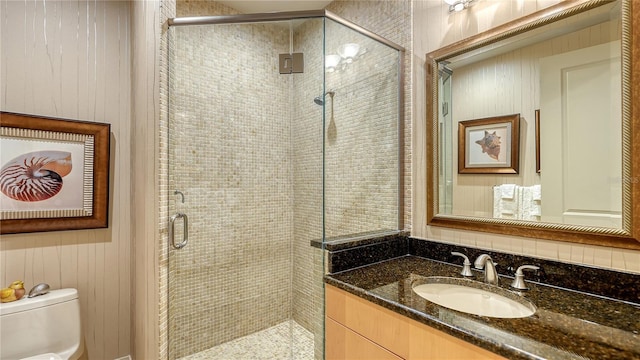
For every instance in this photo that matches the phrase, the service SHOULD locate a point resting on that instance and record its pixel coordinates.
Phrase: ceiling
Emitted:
(265, 6)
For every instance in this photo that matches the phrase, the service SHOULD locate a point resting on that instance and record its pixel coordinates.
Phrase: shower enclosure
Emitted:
(267, 161)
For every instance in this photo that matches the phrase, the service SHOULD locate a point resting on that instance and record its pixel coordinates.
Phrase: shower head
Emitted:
(319, 100)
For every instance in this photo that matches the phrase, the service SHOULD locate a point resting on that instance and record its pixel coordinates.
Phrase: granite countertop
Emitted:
(567, 324)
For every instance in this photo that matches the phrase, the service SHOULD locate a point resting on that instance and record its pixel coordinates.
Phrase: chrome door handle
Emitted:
(185, 236)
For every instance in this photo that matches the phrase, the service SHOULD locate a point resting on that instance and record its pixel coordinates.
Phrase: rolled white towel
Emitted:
(497, 199)
(536, 192)
(508, 190)
(529, 209)
(504, 208)
(535, 211)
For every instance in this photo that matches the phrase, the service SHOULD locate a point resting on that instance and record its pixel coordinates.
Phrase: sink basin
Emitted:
(473, 297)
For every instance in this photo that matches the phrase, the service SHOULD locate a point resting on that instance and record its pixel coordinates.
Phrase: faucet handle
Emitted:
(518, 282)
(466, 268)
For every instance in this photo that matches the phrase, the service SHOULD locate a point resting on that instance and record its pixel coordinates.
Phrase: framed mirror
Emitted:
(533, 127)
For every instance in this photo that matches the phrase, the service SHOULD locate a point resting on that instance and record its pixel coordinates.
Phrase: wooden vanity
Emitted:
(358, 329)
(372, 312)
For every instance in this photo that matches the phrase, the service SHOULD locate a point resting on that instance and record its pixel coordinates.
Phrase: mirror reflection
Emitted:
(561, 160)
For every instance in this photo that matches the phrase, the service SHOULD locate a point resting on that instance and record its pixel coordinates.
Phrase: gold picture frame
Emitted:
(489, 145)
(54, 174)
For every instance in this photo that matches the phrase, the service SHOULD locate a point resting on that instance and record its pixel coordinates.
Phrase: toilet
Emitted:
(45, 327)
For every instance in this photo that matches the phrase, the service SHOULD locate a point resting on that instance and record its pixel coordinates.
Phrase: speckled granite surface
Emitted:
(348, 255)
(592, 280)
(566, 325)
(351, 241)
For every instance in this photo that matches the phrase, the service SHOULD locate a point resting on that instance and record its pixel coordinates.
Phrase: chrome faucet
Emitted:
(484, 261)
(466, 266)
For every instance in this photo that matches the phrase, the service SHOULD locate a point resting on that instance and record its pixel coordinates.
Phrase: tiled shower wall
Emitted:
(231, 246)
(361, 154)
(361, 142)
(391, 20)
(307, 290)
(230, 154)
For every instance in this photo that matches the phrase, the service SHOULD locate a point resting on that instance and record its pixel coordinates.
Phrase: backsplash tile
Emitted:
(568, 252)
(589, 279)
(632, 261)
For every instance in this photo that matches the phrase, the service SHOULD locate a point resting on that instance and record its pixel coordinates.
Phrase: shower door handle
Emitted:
(172, 237)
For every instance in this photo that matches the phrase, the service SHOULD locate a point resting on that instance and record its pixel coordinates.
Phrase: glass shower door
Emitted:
(363, 188)
(245, 166)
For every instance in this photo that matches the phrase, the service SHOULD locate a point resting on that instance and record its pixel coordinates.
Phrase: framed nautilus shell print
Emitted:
(54, 174)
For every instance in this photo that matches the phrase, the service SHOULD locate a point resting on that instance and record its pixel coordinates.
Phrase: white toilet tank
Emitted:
(43, 327)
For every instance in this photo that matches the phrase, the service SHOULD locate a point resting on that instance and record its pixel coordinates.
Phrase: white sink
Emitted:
(467, 296)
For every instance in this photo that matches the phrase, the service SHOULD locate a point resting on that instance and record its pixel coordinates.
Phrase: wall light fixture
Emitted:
(458, 5)
(349, 51)
(331, 62)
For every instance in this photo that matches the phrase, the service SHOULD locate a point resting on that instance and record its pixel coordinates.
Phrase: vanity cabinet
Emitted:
(359, 329)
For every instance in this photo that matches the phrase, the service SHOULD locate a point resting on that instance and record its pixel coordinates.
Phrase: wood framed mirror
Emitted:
(568, 72)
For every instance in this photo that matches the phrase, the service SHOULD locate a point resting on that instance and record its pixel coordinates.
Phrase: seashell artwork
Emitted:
(490, 144)
(35, 176)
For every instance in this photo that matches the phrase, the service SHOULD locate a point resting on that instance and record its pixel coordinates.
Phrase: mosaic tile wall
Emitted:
(360, 189)
(234, 167)
(391, 20)
(363, 188)
(307, 290)
(361, 166)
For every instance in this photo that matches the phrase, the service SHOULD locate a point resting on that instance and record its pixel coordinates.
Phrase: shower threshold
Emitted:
(287, 341)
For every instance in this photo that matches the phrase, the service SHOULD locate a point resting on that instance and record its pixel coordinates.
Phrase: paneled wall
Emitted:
(433, 28)
(149, 89)
(71, 59)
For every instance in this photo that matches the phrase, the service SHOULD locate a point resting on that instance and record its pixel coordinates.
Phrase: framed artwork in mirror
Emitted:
(54, 174)
(489, 145)
(537, 141)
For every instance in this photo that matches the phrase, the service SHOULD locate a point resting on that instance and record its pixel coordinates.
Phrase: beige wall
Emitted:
(434, 27)
(149, 59)
(71, 59)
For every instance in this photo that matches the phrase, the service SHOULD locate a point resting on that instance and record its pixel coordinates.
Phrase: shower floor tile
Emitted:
(272, 343)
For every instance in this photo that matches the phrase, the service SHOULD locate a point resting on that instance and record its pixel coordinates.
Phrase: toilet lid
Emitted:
(47, 356)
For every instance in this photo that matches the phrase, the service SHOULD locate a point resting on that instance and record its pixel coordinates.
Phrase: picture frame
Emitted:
(537, 119)
(489, 145)
(54, 174)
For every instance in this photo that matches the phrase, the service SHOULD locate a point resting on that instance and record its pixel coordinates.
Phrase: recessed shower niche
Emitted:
(262, 164)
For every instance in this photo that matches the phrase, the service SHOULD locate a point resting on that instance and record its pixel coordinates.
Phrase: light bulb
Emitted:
(331, 61)
(458, 7)
(349, 51)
